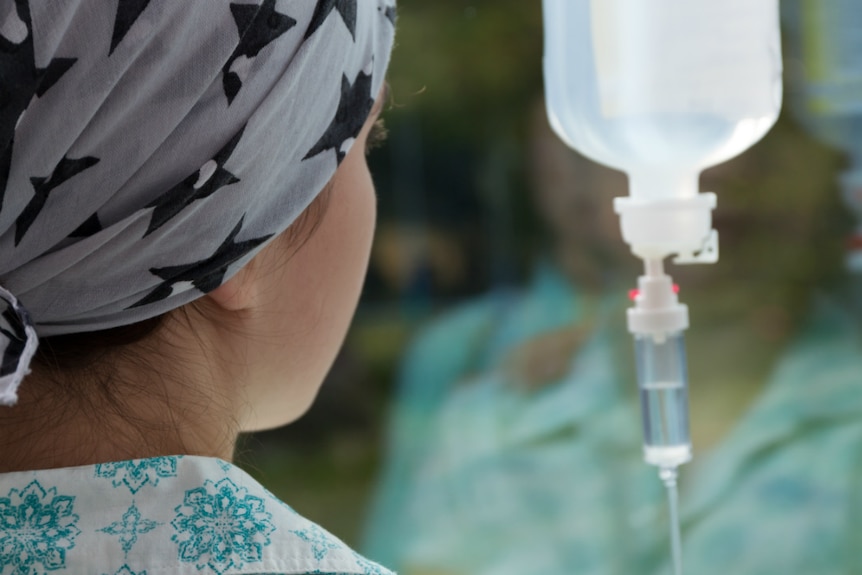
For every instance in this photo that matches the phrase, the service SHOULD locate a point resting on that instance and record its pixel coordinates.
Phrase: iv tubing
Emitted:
(668, 476)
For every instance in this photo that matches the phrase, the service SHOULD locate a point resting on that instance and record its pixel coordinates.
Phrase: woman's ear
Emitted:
(240, 291)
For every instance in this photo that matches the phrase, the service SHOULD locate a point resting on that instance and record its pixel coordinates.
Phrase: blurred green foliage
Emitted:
(468, 68)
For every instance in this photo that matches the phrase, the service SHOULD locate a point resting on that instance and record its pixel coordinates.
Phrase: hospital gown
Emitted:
(177, 515)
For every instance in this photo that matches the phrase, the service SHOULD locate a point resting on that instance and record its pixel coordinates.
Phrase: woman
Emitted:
(186, 219)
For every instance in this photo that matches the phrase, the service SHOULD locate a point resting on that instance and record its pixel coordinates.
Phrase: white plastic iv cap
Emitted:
(657, 311)
(656, 228)
(659, 227)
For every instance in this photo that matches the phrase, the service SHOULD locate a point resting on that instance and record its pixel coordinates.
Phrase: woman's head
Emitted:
(154, 153)
(281, 319)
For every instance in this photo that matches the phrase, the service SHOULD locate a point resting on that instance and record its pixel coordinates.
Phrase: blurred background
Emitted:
(476, 195)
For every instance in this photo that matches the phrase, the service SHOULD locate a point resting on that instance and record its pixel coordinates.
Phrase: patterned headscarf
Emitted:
(150, 148)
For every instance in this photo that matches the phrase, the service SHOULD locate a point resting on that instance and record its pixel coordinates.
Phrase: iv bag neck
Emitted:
(657, 185)
(657, 228)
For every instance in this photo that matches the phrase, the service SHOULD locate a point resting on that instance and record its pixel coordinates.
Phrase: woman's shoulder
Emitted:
(179, 514)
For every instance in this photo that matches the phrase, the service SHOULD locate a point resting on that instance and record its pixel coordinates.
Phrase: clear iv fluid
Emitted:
(663, 385)
(662, 89)
(664, 408)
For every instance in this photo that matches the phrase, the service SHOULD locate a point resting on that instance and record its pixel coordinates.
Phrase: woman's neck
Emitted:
(82, 422)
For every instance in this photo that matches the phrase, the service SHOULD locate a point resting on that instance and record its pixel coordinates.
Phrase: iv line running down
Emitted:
(663, 90)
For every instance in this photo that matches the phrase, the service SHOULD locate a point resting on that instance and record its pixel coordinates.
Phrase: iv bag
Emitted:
(662, 89)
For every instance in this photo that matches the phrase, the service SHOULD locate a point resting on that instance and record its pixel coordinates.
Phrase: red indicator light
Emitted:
(675, 288)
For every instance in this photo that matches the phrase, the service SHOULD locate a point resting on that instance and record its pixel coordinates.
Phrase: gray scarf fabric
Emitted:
(150, 148)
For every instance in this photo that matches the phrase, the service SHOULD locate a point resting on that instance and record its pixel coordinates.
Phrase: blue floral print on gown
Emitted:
(182, 514)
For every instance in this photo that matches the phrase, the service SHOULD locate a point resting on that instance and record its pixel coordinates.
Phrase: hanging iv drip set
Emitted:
(662, 90)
